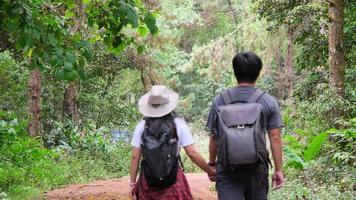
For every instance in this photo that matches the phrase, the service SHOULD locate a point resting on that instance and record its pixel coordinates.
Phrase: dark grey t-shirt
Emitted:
(270, 107)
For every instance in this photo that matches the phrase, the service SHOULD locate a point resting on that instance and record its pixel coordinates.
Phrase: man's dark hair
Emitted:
(247, 67)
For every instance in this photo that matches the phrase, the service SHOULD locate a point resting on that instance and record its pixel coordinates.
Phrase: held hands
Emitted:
(132, 186)
(277, 180)
(212, 172)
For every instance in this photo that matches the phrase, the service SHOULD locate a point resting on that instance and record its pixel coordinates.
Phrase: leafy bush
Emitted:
(344, 140)
(12, 85)
(308, 154)
(27, 169)
(341, 147)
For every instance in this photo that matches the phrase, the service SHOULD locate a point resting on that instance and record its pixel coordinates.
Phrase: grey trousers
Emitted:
(250, 184)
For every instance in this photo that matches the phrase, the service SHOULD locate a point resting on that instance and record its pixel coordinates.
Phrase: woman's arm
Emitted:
(135, 160)
(198, 159)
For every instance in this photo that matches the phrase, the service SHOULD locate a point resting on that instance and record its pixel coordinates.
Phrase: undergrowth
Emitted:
(28, 169)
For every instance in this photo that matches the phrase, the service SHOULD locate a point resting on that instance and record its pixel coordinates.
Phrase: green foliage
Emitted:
(293, 159)
(12, 84)
(314, 146)
(192, 54)
(202, 34)
(344, 140)
(349, 33)
(304, 185)
(315, 99)
(44, 35)
(27, 169)
(115, 106)
(309, 152)
(309, 21)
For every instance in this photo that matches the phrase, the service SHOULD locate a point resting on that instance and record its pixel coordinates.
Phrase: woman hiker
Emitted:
(157, 139)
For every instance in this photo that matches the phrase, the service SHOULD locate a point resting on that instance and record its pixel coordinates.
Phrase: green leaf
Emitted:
(107, 40)
(142, 30)
(52, 41)
(71, 75)
(293, 159)
(88, 54)
(150, 21)
(314, 146)
(120, 48)
(69, 14)
(81, 61)
(21, 42)
(81, 71)
(54, 60)
(131, 15)
(69, 57)
(59, 74)
(68, 66)
(58, 52)
(140, 49)
(117, 41)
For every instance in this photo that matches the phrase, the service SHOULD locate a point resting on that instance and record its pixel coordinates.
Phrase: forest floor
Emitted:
(118, 189)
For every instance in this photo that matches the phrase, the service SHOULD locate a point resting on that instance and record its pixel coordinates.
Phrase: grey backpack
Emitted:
(241, 128)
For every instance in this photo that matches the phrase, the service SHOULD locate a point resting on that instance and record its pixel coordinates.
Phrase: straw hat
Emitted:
(158, 102)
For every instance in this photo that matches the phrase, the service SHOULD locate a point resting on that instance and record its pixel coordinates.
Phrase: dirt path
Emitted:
(117, 189)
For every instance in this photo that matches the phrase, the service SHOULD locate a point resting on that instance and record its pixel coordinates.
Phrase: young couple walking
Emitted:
(238, 159)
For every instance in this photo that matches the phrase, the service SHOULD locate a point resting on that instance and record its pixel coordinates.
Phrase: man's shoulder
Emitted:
(268, 98)
(217, 100)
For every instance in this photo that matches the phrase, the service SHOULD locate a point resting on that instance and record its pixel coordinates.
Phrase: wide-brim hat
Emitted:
(158, 102)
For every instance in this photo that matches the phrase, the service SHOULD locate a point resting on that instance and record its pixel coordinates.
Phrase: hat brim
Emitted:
(147, 110)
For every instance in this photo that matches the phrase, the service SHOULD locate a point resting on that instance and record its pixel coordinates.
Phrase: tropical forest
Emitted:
(72, 73)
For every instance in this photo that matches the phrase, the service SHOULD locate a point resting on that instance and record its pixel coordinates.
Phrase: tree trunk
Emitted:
(71, 103)
(277, 54)
(146, 83)
(34, 102)
(279, 72)
(336, 53)
(289, 61)
(233, 12)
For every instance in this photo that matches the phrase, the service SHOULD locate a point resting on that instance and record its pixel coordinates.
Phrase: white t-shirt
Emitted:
(184, 135)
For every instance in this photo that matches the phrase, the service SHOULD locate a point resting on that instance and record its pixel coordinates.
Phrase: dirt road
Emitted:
(117, 189)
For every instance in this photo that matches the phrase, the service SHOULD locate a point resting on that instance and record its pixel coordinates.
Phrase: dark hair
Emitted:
(247, 67)
(158, 125)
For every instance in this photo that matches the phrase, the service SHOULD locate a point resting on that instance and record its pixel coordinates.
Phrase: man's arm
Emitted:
(277, 154)
(212, 149)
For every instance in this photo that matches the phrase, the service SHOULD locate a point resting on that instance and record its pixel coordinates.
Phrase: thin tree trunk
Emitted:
(71, 103)
(103, 95)
(336, 52)
(278, 57)
(279, 70)
(34, 102)
(4, 38)
(232, 11)
(145, 82)
(289, 61)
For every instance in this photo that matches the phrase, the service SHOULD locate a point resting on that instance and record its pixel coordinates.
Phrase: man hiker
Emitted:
(238, 121)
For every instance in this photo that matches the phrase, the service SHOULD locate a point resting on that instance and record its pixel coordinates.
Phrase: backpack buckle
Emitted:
(241, 126)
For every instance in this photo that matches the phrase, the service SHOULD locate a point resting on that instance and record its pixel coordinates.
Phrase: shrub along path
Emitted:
(118, 189)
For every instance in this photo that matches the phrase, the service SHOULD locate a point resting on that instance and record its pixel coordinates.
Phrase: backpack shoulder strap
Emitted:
(255, 96)
(225, 95)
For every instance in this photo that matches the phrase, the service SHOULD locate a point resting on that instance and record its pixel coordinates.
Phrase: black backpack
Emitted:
(160, 154)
